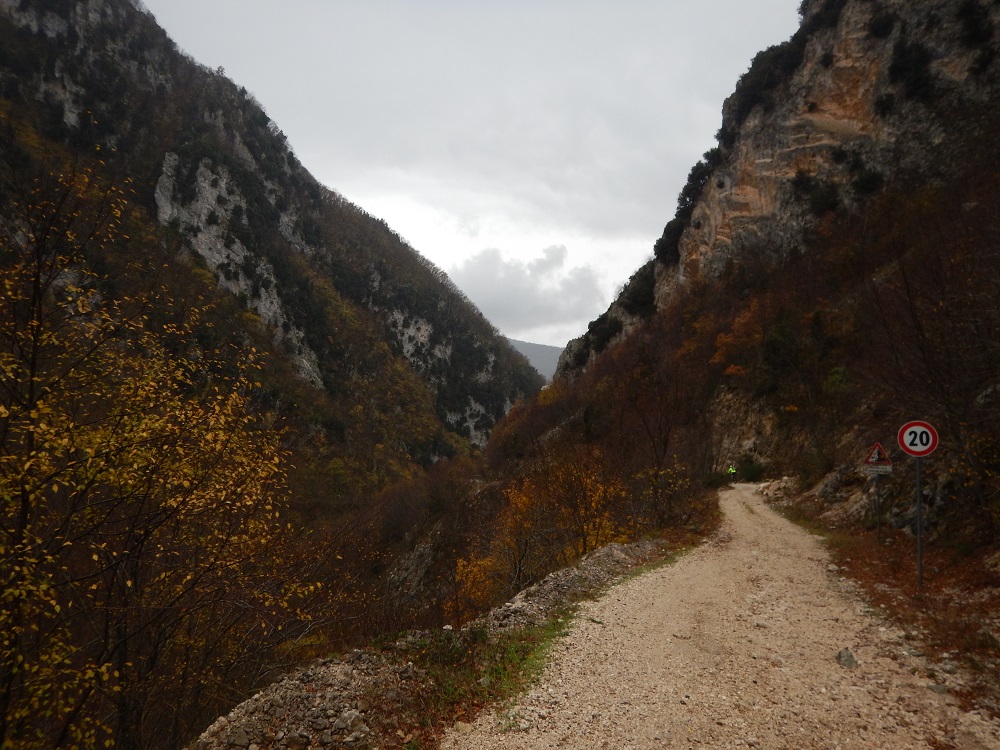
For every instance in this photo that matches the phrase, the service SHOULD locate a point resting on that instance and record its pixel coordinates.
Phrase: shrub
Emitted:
(911, 68)
(602, 330)
(983, 61)
(881, 24)
(826, 197)
(867, 181)
(770, 68)
(667, 248)
(977, 27)
(637, 296)
(885, 105)
(823, 196)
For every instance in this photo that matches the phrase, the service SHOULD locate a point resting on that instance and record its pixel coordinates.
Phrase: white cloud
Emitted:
(525, 299)
(473, 124)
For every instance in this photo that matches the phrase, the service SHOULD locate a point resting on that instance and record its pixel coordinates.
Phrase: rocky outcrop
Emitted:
(357, 701)
(851, 103)
(843, 116)
(327, 705)
(208, 220)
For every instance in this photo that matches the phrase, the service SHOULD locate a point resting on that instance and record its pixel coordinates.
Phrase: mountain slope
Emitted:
(826, 278)
(214, 375)
(856, 101)
(216, 172)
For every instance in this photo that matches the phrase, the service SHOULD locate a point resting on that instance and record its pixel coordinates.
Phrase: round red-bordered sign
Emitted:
(917, 438)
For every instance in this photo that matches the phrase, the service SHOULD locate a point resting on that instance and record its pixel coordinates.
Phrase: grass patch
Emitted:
(463, 671)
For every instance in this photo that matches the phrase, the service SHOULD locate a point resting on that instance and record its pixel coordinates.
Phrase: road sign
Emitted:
(877, 469)
(878, 461)
(917, 438)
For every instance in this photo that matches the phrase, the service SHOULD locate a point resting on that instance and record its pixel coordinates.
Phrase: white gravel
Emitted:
(735, 646)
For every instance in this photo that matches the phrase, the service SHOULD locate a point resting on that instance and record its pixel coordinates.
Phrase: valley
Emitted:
(252, 441)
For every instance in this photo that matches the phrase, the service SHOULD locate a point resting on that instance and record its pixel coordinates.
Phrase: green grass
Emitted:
(468, 669)
(465, 670)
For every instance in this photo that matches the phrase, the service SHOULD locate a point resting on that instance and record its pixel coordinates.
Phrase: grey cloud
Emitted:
(559, 113)
(562, 119)
(552, 259)
(518, 296)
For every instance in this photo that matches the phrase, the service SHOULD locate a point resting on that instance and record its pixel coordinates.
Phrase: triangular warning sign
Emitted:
(877, 456)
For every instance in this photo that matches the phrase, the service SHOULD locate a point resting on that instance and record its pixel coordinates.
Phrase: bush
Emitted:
(983, 61)
(822, 196)
(697, 178)
(977, 27)
(881, 24)
(602, 330)
(867, 181)
(885, 105)
(911, 68)
(770, 68)
(750, 470)
(637, 298)
(827, 17)
(667, 248)
(825, 198)
(775, 65)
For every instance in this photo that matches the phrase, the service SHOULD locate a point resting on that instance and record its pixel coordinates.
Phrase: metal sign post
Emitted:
(920, 528)
(918, 439)
(878, 508)
(877, 463)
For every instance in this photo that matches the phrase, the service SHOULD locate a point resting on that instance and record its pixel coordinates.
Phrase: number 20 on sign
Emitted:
(918, 438)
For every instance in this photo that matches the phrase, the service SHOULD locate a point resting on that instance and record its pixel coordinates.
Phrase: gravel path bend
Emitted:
(736, 645)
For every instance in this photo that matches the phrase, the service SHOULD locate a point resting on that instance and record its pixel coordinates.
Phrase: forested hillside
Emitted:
(238, 415)
(828, 270)
(830, 274)
(214, 371)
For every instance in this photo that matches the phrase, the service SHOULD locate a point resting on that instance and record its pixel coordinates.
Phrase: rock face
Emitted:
(325, 705)
(216, 205)
(839, 117)
(824, 120)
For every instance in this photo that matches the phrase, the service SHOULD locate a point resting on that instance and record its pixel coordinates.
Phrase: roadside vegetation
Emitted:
(954, 612)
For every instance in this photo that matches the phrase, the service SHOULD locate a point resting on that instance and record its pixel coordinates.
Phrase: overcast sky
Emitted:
(533, 149)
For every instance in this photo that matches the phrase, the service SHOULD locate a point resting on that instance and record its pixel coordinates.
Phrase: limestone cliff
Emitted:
(822, 121)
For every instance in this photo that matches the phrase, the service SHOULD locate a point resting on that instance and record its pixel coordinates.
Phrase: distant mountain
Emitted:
(542, 357)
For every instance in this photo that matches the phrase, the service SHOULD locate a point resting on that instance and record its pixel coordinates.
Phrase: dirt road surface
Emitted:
(736, 645)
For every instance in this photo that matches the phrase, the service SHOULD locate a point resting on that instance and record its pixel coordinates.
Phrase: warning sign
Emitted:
(878, 461)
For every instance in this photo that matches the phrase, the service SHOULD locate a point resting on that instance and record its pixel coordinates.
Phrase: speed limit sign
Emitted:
(917, 438)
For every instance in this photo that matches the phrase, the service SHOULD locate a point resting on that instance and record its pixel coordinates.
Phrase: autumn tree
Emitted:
(141, 539)
(557, 508)
(934, 319)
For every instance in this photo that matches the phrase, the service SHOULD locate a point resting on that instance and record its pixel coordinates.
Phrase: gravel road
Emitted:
(736, 645)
